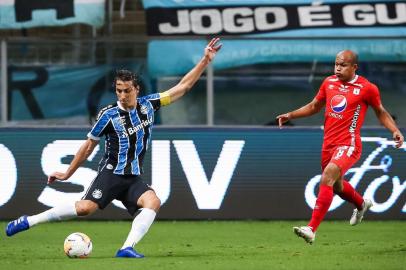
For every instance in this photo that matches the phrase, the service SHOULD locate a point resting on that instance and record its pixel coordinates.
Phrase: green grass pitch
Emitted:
(212, 245)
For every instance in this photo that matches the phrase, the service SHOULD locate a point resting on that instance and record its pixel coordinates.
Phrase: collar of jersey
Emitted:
(354, 80)
(122, 108)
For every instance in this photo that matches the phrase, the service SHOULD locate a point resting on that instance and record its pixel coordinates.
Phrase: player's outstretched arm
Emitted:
(194, 74)
(387, 121)
(309, 109)
(84, 152)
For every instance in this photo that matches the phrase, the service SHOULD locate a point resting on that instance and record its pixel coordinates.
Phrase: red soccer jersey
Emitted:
(346, 106)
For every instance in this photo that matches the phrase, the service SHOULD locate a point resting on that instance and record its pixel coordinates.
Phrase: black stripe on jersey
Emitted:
(132, 141)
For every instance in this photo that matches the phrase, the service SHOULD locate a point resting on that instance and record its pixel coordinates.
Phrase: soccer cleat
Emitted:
(128, 252)
(306, 233)
(357, 215)
(18, 225)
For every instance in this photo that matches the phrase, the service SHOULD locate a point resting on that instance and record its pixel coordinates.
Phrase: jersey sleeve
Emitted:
(321, 94)
(159, 99)
(100, 126)
(373, 97)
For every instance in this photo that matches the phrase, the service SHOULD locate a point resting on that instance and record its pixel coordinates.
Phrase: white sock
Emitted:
(140, 226)
(57, 213)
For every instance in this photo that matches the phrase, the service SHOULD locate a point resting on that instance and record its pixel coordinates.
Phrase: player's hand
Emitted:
(398, 138)
(283, 118)
(56, 176)
(212, 48)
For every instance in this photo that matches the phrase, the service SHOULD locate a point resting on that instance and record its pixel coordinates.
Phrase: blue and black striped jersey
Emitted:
(127, 133)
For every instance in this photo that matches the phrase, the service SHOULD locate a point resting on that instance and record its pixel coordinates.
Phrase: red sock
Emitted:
(350, 195)
(323, 202)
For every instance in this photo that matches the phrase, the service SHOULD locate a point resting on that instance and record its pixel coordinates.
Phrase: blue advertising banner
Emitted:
(16, 14)
(201, 173)
(181, 55)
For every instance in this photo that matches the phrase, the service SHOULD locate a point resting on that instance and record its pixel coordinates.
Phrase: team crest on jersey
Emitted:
(144, 109)
(122, 120)
(338, 103)
(97, 194)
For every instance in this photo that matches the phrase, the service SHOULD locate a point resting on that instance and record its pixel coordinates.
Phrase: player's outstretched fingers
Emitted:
(213, 41)
(280, 122)
(213, 46)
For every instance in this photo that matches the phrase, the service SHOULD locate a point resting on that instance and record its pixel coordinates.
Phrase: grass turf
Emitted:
(212, 245)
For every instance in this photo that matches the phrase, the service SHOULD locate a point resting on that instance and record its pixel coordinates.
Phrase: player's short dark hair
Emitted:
(125, 76)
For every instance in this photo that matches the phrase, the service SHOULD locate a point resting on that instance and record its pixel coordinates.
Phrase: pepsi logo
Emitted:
(338, 103)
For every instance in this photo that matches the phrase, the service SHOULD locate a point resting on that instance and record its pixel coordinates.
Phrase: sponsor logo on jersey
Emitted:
(354, 120)
(338, 103)
(343, 88)
(143, 124)
(97, 194)
(109, 167)
(336, 115)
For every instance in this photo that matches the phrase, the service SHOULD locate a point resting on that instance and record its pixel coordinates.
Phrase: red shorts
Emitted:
(343, 156)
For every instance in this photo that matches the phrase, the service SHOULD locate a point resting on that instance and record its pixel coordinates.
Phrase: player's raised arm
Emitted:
(386, 119)
(83, 153)
(193, 75)
(309, 109)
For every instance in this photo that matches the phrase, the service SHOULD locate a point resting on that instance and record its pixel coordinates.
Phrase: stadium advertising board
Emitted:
(15, 14)
(194, 17)
(281, 31)
(206, 173)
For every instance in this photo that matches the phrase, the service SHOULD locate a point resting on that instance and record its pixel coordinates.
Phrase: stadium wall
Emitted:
(206, 173)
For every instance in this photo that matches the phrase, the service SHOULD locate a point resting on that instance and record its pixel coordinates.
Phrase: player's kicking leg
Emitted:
(63, 212)
(16, 226)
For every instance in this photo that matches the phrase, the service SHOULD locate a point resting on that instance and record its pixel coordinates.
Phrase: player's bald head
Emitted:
(348, 56)
(345, 66)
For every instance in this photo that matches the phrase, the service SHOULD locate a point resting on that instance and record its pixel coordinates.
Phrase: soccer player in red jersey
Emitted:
(346, 96)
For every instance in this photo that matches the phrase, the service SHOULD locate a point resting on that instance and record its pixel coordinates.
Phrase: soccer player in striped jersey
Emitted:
(126, 126)
(346, 97)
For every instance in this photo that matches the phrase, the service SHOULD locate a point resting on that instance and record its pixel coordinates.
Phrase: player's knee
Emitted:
(150, 200)
(85, 207)
(330, 175)
(153, 203)
(327, 179)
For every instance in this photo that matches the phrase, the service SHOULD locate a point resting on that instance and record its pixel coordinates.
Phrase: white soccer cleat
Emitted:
(357, 215)
(306, 233)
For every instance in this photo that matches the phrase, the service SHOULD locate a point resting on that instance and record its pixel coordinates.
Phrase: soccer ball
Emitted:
(77, 245)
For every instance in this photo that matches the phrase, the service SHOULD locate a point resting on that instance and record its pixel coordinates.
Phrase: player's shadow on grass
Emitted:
(154, 256)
